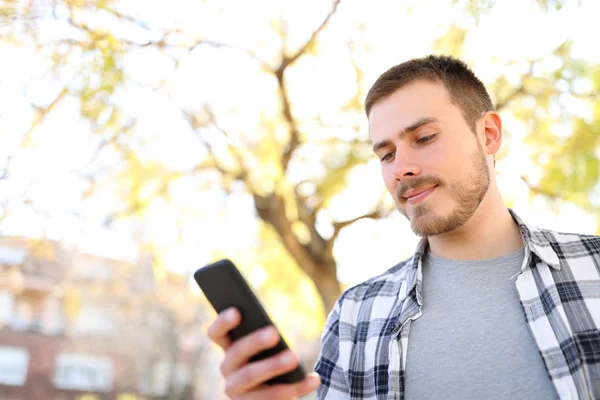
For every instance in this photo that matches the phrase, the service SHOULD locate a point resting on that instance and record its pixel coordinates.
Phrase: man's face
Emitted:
(432, 164)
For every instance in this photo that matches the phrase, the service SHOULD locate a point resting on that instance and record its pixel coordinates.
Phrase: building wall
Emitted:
(43, 351)
(72, 346)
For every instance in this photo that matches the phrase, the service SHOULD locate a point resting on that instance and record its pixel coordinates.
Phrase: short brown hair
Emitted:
(466, 90)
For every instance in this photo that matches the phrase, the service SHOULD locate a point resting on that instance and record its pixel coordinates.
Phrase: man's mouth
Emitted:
(417, 195)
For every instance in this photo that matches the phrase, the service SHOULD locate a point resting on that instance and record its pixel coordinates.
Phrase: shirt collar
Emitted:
(538, 241)
(534, 239)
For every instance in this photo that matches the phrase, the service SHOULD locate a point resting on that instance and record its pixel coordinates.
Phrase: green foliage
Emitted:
(452, 42)
(100, 78)
(475, 8)
(92, 56)
(572, 170)
(565, 142)
(547, 5)
(8, 11)
(339, 162)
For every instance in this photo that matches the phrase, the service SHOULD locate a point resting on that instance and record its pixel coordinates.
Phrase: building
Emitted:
(72, 326)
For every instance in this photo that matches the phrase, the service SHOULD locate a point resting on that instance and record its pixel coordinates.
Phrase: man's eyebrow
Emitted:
(409, 129)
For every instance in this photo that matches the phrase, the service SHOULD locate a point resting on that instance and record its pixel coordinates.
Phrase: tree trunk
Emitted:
(328, 286)
(315, 260)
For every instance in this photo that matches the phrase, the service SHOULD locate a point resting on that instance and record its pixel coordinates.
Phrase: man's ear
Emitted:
(492, 132)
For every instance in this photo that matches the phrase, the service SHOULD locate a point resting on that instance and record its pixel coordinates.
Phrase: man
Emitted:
(488, 307)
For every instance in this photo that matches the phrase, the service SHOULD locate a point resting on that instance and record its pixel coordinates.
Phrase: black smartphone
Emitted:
(224, 286)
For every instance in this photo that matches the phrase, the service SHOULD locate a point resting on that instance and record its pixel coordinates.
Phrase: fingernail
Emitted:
(287, 359)
(267, 335)
(230, 314)
(313, 378)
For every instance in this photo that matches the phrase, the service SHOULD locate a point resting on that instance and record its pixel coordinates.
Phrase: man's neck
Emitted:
(491, 232)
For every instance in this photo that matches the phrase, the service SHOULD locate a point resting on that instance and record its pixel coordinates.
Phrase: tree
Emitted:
(291, 159)
(289, 208)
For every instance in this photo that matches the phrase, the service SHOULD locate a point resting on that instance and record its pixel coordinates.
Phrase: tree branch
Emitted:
(91, 178)
(317, 243)
(381, 211)
(517, 92)
(82, 26)
(271, 209)
(249, 52)
(243, 173)
(294, 141)
(338, 226)
(289, 60)
(138, 206)
(124, 17)
(44, 111)
(125, 128)
(293, 126)
(537, 190)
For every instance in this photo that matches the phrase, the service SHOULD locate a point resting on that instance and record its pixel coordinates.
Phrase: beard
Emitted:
(467, 197)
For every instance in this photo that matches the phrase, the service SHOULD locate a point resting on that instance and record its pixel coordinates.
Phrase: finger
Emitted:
(243, 349)
(287, 391)
(254, 374)
(225, 322)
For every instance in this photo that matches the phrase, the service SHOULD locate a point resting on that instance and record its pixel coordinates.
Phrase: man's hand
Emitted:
(244, 380)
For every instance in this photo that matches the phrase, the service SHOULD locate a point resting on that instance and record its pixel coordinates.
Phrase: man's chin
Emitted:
(415, 212)
(425, 223)
(421, 229)
(417, 223)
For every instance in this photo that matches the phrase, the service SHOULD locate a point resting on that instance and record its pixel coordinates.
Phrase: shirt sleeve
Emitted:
(333, 381)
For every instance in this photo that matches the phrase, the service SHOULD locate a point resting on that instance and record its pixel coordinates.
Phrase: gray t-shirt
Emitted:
(472, 340)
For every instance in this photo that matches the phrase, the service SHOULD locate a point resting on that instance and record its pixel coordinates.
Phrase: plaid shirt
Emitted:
(363, 354)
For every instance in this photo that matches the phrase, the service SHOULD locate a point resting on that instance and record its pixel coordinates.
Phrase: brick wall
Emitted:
(42, 355)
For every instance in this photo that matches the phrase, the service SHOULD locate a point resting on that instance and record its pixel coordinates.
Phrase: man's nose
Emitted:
(405, 166)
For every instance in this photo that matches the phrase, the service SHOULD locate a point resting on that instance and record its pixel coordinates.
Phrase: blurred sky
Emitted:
(515, 29)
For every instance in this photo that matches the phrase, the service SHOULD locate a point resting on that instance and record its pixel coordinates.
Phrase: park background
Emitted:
(141, 140)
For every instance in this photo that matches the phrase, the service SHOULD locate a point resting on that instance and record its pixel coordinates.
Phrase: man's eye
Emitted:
(387, 156)
(425, 139)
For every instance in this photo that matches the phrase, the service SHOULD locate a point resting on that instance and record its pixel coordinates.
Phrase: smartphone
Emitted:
(224, 286)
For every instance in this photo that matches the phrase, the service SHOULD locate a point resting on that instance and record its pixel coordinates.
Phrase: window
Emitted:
(22, 318)
(155, 381)
(7, 303)
(28, 311)
(12, 256)
(14, 362)
(52, 316)
(83, 372)
(93, 319)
